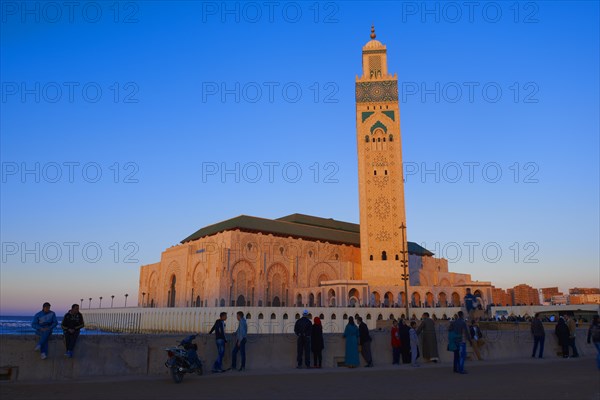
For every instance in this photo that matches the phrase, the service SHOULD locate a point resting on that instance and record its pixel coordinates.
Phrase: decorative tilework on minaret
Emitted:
(381, 185)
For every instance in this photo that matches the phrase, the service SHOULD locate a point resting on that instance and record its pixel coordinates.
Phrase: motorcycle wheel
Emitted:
(176, 374)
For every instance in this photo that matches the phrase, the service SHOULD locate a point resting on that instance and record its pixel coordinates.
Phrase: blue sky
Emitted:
(128, 115)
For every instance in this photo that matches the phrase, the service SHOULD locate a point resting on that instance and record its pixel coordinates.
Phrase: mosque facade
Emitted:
(308, 261)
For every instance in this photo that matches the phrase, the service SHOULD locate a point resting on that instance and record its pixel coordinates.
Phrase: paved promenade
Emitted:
(551, 378)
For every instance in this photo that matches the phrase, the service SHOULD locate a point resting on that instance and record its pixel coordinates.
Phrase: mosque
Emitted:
(308, 261)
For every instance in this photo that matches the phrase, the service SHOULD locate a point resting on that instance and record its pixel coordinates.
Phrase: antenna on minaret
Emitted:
(373, 32)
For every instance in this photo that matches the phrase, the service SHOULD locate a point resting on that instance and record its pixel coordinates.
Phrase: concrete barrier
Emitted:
(140, 355)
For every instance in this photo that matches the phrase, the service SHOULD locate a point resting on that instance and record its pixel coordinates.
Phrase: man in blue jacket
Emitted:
(43, 323)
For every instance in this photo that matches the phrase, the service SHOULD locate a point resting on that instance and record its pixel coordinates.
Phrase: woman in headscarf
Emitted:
(316, 342)
(351, 335)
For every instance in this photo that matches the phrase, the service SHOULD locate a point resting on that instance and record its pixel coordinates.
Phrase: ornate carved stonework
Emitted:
(378, 91)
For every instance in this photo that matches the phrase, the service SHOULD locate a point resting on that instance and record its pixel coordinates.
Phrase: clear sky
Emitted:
(127, 126)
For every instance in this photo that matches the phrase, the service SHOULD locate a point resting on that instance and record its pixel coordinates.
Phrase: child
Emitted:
(414, 344)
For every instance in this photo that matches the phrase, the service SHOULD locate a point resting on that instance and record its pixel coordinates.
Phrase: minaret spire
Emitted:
(373, 35)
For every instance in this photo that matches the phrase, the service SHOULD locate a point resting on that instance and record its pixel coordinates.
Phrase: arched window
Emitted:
(276, 302)
(273, 316)
(171, 297)
(241, 301)
(384, 255)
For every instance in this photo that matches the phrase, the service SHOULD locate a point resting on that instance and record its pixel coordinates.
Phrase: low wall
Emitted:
(140, 355)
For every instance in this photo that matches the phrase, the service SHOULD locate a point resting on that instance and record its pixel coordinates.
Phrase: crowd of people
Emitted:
(409, 340)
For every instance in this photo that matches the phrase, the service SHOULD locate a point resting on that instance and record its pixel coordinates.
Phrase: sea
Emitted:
(21, 325)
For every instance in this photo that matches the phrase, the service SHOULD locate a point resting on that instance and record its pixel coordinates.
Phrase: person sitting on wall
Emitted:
(71, 324)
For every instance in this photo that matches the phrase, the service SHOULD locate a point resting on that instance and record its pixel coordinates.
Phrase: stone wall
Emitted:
(144, 355)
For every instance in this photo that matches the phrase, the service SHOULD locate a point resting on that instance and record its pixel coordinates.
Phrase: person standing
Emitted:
(461, 332)
(539, 335)
(404, 332)
(427, 331)
(477, 341)
(317, 343)
(562, 332)
(219, 330)
(303, 329)
(470, 302)
(365, 342)
(593, 336)
(240, 341)
(395, 343)
(572, 328)
(71, 324)
(351, 334)
(414, 344)
(43, 323)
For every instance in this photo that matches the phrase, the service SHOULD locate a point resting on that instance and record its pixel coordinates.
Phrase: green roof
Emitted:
(299, 226)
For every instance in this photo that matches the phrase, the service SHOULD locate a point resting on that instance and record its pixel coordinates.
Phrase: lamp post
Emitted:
(112, 298)
(81, 304)
(90, 303)
(100, 306)
(144, 295)
(126, 295)
(405, 274)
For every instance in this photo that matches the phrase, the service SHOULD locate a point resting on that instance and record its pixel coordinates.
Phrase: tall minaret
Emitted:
(380, 178)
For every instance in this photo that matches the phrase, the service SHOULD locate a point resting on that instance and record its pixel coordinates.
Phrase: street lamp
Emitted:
(81, 305)
(100, 302)
(112, 298)
(126, 295)
(405, 274)
(144, 295)
(90, 303)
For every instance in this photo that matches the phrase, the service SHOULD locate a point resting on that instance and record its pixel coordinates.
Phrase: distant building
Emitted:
(524, 294)
(501, 297)
(584, 291)
(559, 300)
(547, 293)
(584, 299)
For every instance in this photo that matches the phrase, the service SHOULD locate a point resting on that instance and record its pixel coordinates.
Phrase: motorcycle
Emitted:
(183, 359)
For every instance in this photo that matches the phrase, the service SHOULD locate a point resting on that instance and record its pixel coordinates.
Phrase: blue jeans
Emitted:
(242, 349)
(460, 354)
(44, 337)
(218, 365)
(538, 340)
(597, 344)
